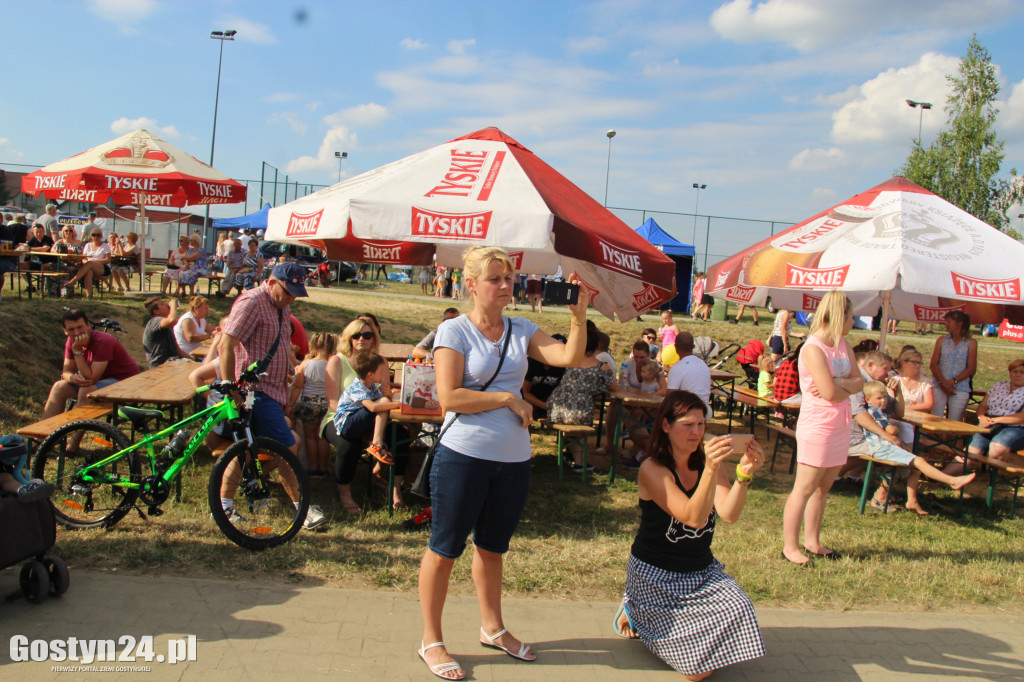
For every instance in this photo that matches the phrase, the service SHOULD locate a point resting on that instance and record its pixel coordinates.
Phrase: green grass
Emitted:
(574, 539)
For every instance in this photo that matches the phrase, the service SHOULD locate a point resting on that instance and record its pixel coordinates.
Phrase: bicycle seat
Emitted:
(138, 416)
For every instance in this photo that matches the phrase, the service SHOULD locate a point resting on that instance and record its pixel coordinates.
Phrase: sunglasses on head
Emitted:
(365, 336)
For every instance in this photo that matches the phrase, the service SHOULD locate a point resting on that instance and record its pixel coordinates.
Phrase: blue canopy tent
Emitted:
(681, 253)
(253, 221)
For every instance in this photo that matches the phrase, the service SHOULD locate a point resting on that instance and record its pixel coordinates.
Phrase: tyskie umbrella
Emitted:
(137, 168)
(896, 245)
(481, 189)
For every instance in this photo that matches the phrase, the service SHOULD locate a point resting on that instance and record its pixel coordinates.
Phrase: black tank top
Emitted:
(670, 545)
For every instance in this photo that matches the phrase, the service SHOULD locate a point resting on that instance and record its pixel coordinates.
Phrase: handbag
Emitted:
(421, 486)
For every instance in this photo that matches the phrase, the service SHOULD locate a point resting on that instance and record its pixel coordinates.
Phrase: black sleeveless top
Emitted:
(670, 545)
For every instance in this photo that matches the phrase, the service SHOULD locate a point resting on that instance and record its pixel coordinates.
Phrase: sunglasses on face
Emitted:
(365, 336)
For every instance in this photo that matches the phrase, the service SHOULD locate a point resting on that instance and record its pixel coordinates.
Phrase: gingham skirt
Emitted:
(695, 622)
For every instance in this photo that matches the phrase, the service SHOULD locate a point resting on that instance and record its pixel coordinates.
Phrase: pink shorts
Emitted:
(824, 444)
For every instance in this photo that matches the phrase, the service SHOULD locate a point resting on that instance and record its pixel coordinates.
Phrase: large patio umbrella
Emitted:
(481, 189)
(138, 168)
(896, 246)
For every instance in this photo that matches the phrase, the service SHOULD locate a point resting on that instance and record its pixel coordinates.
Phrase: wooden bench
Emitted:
(886, 475)
(1008, 474)
(211, 280)
(573, 434)
(44, 428)
(786, 438)
(747, 398)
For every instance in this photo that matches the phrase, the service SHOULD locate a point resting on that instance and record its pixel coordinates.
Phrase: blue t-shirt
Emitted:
(351, 401)
(496, 435)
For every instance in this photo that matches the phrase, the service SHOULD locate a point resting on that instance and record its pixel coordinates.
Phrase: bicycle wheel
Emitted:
(63, 454)
(271, 494)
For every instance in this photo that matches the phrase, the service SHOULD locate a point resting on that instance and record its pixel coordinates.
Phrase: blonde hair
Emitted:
(477, 258)
(652, 367)
(197, 301)
(910, 354)
(873, 388)
(830, 318)
(765, 364)
(352, 328)
(322, 343)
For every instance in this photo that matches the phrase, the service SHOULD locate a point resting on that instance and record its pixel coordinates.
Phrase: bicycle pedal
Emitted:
(141, 514)
(155, 511)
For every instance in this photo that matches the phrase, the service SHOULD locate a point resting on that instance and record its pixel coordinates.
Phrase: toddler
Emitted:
(363, 408)
(652, 378)
(307, 403)
(765, 378)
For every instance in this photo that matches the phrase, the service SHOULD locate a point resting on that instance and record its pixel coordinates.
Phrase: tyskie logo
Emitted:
(741, 294)
(594, 291)
(517, 260)
(620, 260)
(928, 314)
(382, 252)
(645, 298)
(810, 303)
(438, 225)
(986, 289)
(50, 181)
(815, 278)
(303, 224)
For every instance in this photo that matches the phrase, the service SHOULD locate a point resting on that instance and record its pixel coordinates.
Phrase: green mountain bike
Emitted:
(100, 475)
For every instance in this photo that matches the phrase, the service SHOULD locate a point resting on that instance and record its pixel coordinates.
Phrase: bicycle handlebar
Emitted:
(249, 379)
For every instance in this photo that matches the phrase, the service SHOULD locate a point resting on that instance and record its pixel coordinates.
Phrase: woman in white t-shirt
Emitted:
(190, 330)
(97, 263)
(481, 470)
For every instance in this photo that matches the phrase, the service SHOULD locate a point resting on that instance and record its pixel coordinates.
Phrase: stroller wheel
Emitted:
(34, 581)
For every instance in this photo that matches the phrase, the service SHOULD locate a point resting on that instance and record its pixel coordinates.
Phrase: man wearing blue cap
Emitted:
(260, 323)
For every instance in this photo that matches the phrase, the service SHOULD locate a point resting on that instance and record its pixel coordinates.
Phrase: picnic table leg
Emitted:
(558, 446)
(391, 469)
(867, 483)
(617, 433)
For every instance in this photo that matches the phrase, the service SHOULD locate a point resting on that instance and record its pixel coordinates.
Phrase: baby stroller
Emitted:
(748, 357)
(320, 275)
(30, 530)
(705, 349)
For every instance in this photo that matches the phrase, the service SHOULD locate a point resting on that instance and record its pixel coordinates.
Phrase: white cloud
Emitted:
(280, 97)
(810, 25)
(291, 120)
(587, 45)
(1011, 116)
(8, 152)
(880, 112)
(339, 137)
(413, 44)
(360, 115)
(123, 11)
(459, 46)
(819, 160)
(825, 193)
(248, 31)
(123, 126)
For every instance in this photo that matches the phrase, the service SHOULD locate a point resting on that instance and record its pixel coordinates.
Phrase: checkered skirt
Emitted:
(695, 622)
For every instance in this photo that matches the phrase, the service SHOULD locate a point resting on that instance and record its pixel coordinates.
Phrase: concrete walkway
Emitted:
(260, 632)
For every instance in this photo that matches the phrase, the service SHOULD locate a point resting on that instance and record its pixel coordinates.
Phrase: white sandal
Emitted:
(440, 669)
(524, 648)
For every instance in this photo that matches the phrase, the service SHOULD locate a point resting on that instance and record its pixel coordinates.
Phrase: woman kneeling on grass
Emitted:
(679, 600)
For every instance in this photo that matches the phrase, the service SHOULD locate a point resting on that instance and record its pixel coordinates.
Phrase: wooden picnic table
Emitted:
(395, 352)
(720, 378)
(628, 397)
(163, 386)
(203, 350)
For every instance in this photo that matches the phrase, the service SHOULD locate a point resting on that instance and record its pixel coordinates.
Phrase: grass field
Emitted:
(574, 539)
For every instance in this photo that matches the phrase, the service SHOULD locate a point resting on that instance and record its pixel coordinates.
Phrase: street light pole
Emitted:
(920, 118)
(696, 207)
(610, 134)
(221, 36)
(341, 156)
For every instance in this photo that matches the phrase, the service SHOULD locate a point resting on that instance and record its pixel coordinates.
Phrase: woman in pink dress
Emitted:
(828, 377)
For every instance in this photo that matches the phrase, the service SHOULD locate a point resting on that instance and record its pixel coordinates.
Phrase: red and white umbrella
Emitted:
(138, 168)
(481, 189)
(896, 245)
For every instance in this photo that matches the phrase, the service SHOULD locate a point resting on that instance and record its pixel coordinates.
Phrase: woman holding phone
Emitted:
(679, 601)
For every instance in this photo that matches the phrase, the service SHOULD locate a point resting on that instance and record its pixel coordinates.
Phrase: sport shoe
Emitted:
(632, 463)
(314, 518)
(234, 516)
(34, 491)
(733, 321)
(578, 468)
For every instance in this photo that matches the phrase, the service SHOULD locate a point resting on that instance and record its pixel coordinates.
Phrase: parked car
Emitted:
(307, 257)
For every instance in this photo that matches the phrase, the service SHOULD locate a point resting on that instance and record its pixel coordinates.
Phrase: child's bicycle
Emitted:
(99, 473)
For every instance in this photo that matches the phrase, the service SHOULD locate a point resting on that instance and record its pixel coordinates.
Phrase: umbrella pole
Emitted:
(142, 242)
(886, 316)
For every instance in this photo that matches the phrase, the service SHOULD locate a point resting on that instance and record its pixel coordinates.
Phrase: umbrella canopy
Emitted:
(481, 189)
(896, 244)
(137, 168)
(253, 221)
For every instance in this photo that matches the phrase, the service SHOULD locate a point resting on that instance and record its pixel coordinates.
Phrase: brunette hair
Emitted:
(1015, 364)
(965, 322)
(322, 342)
(675, 405)
(365, 362)
(370, 317)
(641, 346)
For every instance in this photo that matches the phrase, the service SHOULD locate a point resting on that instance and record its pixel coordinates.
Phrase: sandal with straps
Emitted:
(440, 669)
(380, 453)
(524, 648)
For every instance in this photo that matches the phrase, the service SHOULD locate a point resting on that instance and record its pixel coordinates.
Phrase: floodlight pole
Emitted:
(610, 134)
(920, 118)
(221, 36)
(341, 156)
(696, 207)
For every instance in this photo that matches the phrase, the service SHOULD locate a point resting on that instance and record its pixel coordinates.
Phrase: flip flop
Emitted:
(524, 648)
(615, 622)
(830, 555)
(878, 506)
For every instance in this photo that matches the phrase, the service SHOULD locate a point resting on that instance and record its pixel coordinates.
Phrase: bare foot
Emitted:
(798, 558)
(624, 627)
(961, 481)
(918, 509)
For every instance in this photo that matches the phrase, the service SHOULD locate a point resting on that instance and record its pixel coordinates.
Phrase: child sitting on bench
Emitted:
(363, 408)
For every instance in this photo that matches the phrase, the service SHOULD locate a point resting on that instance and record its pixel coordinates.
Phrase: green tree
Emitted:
(962, 163)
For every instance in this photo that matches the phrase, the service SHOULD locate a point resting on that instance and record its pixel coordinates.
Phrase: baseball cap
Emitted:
(292, 276)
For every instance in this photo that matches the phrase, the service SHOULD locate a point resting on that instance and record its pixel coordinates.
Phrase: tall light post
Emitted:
(696, 207)
(920, 118)
(340, 156)
(610, 134)
(1020, 217)
(221, 36)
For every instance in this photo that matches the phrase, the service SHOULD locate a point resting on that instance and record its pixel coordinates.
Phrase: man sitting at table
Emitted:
(158, 337)
(426, 346)
(690, 373)
(92, 360)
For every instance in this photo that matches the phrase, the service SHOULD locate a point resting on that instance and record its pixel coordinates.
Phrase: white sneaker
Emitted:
(314, 518)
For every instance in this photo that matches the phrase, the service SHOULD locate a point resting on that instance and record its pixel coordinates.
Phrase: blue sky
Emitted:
(781, 107)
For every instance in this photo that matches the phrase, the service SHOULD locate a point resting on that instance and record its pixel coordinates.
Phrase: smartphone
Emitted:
(740, 441)
(561, 293)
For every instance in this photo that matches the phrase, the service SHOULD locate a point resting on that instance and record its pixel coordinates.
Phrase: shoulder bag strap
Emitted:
(501, 361)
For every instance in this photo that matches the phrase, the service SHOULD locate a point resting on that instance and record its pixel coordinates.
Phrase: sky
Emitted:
(780, 107)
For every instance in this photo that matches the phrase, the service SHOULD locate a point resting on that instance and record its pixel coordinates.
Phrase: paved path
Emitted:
(260, 632)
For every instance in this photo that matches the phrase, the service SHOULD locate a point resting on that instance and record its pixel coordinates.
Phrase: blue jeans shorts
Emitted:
(1010, 437)
(478, 495)
(268, 420)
